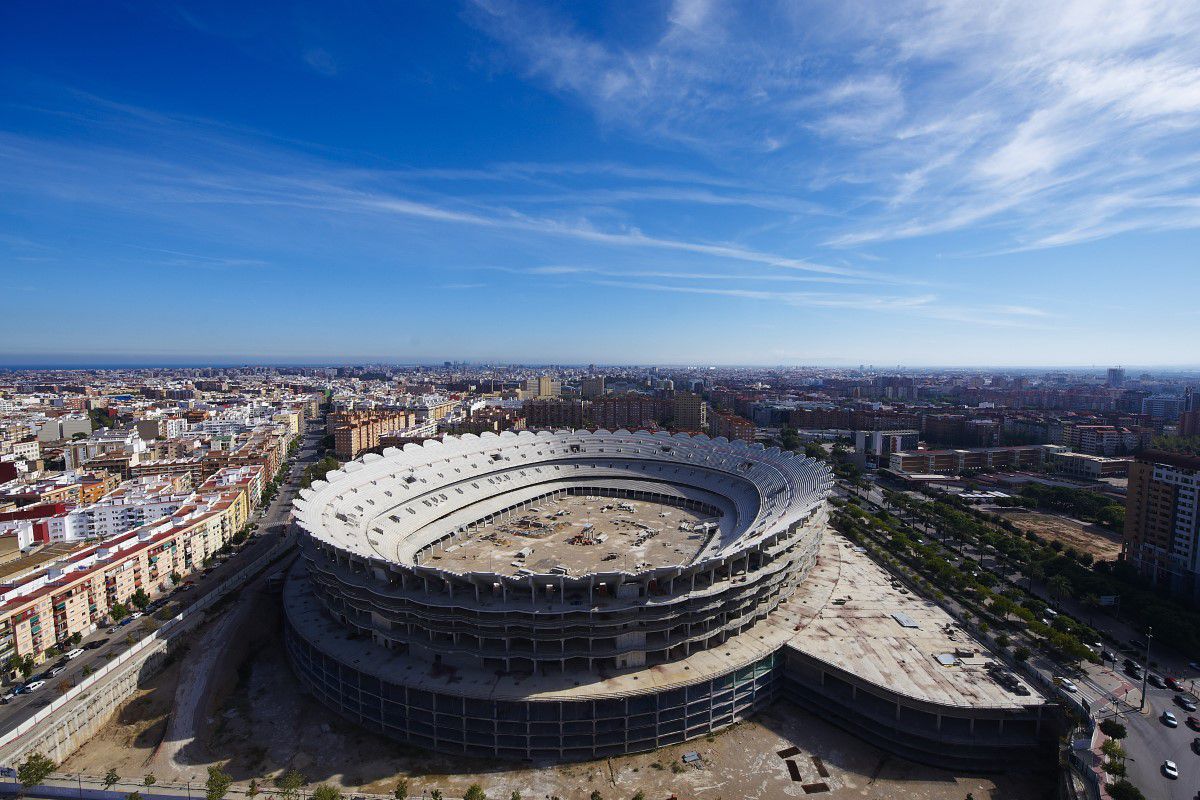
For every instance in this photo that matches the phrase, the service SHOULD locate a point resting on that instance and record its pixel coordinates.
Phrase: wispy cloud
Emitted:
(924, 305)
(1046, 123)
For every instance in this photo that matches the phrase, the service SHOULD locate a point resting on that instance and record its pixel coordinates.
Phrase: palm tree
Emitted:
(110, 778)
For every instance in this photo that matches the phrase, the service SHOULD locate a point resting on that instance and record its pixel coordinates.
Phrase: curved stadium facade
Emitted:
(558, 595)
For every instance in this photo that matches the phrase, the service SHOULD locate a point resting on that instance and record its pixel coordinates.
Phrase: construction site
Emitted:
(581, 534)
(231, 699)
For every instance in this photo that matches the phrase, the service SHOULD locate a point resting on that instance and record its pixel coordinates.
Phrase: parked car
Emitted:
(96, 645)
(1106, 655)
(1193, 722)
(33, 686)
(1170, 770)
(1173, 684)
(1169, 720)
(113, 629)
(135, 615)
(55, 670)
(1196, 745)
(9, 694)
(1155, 681)
(1066, 684)
(1185, 702)
(74, 654)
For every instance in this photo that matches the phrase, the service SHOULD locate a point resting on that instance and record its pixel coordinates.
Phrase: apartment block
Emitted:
(355, 432)
(44, 608)
(1162, 521)
(951, 462)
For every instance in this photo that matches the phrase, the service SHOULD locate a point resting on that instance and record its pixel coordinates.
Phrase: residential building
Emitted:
(952, 462)
(690, 413)
(1162, 521)
(554, 413)
(542, 387)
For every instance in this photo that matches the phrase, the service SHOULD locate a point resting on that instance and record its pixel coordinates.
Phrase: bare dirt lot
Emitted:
(1102, 543)
(580, 534)
(257, 720)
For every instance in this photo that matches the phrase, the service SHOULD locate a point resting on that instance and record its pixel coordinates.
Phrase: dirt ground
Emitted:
(1103, 544)
(259, 722)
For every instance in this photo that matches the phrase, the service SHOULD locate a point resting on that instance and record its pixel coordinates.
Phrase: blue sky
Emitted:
(690, 182)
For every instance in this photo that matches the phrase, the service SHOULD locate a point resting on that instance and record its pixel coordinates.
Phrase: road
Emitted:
(269, 525)
(1112, 694)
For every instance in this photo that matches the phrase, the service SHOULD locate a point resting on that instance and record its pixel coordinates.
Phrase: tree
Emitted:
(253, 789)
(150, 780)
(1113, 729)
(76, 638)
(474, 792)
(325, 791)
(639, 795)
(34, 770)
(1124, 790)
(1059, 586)
(435, 794)
(401, 790)
(134, 795)
(289, 783)
(595, 795)
(176, 578)
(110, 778)
(117, 611)
(515, 795)
(1021, 653)
(218, 783)
(140, 599)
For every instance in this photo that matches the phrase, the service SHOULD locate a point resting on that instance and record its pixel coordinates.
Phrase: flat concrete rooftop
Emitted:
(581, 534)
(861, 636)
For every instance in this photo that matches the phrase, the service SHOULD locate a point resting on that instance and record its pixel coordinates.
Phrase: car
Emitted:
(1169, 720)
(1170, 770)
(1173, 684)
(1193, 722)
(74, 654)
(33, 686)
(135, 615)
(1196, 745)
(96, 645)
(53, 671)
(113, 629)
(1185, 702)
(1066, 684)
(1155, 681)
(1106, 655)
(9, 694)
(1194, 665)
(1137, 644)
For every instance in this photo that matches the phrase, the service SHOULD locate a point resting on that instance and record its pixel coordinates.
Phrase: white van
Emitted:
(34, 686)
(76, 653)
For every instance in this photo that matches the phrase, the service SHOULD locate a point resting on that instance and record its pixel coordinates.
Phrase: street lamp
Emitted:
(1146, 667)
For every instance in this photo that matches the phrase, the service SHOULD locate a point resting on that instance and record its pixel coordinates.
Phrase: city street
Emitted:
(100, 647)
(1110, 692)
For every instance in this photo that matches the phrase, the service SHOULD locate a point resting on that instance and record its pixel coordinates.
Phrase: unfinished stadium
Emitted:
(578, 594)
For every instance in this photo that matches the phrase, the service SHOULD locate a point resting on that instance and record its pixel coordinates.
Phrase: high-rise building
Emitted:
(543, 386)
(592, 388)
(1162, 521)
(690, 412)
(1116, 376)
(1163, 407)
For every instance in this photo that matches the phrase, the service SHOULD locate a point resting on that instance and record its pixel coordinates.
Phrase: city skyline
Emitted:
(507, 182)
